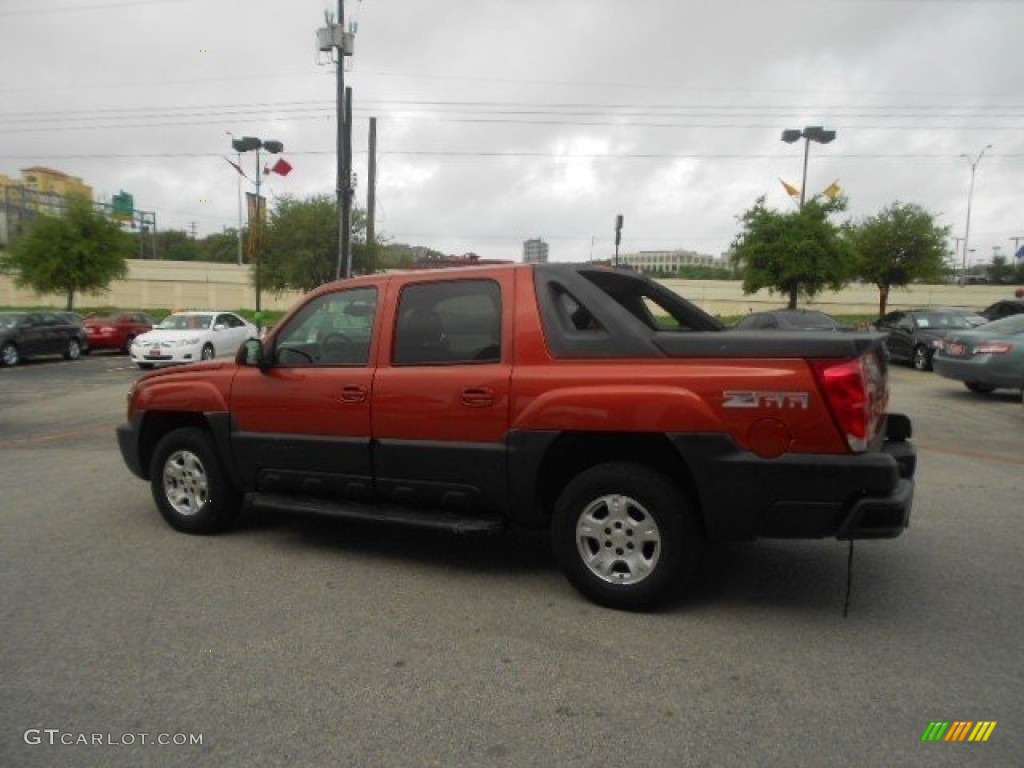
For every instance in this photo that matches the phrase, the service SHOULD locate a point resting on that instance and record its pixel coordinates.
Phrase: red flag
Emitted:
(282, 167)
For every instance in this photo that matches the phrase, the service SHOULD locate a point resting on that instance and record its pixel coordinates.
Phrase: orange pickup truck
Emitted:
(588, 401)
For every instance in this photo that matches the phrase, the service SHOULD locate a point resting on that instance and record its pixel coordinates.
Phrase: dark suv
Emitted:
(1003, 308)
(913, 335)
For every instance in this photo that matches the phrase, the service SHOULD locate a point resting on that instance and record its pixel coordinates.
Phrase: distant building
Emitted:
(535, 251)
(50, 181)
(39, 190)
(667, 261)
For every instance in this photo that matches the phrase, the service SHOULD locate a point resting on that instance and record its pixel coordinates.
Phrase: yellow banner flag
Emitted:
(790, 189)
(833, 190)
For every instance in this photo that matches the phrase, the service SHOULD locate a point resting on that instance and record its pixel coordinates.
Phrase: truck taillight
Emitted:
(856, 394)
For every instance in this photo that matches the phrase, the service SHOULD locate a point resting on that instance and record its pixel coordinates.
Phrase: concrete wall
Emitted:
(203, 285)
(166, 285)
(723, 297)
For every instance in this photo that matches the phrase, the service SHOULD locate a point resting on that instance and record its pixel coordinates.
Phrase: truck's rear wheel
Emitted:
(625, 536)
(189, 485)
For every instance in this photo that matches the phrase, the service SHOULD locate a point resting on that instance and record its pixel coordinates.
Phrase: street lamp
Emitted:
(256, 211)
(970, 196)
(811, 133)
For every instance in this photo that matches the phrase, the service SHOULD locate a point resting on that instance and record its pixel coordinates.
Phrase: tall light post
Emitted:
(811, 133)
(256, 211)
(970, 196)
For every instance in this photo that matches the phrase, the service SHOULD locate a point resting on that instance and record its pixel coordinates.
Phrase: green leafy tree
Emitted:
(1000, 271)
(221, 248)
(799, 253)
(177, 245)
(897, 246)
(81, 252)
(301, 247)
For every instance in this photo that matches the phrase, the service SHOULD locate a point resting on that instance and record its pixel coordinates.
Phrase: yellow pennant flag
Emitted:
(790, 189)
(833, 190)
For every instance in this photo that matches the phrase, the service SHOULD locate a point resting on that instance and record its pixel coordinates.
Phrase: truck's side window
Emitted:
(448, 322)
(574, 316)
(332, 329)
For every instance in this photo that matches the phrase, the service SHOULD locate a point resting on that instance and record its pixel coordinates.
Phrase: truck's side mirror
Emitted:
(251, 353)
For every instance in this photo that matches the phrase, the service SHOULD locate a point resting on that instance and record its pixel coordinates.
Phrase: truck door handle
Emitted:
(353, 393)
(478, 397)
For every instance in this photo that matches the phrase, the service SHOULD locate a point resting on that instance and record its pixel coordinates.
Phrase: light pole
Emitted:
(256, 211)
(811, 133)
(970, 197)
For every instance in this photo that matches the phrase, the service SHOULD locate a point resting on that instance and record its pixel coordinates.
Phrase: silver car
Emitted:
(985, 358)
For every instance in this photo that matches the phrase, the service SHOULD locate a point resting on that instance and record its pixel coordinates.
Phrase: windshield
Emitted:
(810, 320)
(10, 319)
(944, 320)
(185, 322)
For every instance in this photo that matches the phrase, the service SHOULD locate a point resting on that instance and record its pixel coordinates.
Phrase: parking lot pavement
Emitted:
(324, 643)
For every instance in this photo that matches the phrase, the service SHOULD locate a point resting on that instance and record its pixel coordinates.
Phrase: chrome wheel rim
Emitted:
(74, 350)
(618, 540)
(186, 485)
(920, 358)
(10, 355)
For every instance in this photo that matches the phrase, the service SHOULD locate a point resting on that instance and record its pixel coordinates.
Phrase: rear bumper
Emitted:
(981, 369)
(805, 496)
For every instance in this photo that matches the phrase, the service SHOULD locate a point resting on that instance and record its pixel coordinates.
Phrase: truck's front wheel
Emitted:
(189, 486)
(625, 536)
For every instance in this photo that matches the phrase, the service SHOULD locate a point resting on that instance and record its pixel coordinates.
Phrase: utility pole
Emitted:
(371, 188)
(346, 209)
(970, 196)
(956, 252)
(333, 39)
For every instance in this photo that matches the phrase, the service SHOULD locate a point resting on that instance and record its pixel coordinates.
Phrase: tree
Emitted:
(222, 248)
(177, 245)
(800, 253)
(81, 252)
(1000, 271)
(301, 247)
(900, 244)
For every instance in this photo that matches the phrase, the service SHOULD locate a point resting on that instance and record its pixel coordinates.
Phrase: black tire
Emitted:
(207, 353)
(651, 550)
(127, 348)
(921, 359)
(9, 355)
(73, 350)
(977, 386)
(145, 366)
(190, 487)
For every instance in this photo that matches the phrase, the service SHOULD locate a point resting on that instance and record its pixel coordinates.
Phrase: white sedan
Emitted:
(185, 337)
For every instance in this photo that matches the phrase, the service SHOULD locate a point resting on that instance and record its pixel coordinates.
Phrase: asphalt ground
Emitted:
(307, 642)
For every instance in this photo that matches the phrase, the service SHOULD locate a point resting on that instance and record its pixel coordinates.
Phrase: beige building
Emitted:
(39, 190)
(666, 261)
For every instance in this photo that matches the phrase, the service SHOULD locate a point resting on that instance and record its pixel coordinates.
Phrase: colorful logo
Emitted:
(958, 730)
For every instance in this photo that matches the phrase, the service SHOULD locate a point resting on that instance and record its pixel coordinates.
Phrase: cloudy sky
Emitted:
(502, 120)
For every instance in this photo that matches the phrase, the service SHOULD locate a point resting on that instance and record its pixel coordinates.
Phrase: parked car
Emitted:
(985, 358)
(28, 334)
(1003, 308)
(972, 317)
(77, 320)
(116, 331)
(789, 320)
(913, 335)
(185, 337)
